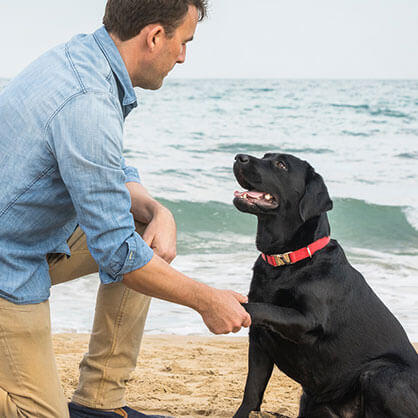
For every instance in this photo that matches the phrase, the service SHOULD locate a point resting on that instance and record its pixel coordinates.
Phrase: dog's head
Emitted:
(280, 189)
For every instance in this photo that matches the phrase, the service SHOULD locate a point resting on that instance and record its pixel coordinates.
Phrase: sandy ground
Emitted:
(185, 376)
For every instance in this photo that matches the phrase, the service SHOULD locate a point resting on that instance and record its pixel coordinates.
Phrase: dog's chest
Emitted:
(275, 290)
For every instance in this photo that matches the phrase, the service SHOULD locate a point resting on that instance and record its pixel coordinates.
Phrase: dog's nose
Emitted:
(242, 158)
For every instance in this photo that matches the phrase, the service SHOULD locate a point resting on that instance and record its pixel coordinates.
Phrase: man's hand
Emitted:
(161, 234)
(160, 231)
(223, 312)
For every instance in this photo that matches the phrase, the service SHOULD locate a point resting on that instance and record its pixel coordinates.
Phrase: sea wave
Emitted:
(355, 223)
(412, 216)
(373, 111)
(361, 224)
(260, 90)
(409, 155)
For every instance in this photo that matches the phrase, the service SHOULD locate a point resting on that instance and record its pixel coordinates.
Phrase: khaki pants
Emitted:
(29, 383)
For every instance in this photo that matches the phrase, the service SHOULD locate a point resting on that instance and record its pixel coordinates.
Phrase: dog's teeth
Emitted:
(244, 195)
(268, 197)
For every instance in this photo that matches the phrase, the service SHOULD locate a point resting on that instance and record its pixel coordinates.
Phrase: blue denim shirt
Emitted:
(61, 164)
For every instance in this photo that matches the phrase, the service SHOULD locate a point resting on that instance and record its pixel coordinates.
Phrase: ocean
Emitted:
(360, 135)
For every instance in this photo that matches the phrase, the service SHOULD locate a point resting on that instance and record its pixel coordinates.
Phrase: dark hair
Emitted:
(126, 18)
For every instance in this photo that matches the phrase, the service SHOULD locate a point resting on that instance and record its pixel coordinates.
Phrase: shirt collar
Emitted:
(112, 55)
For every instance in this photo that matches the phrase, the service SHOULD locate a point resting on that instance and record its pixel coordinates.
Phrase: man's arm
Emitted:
(221, 310)
(160, 232)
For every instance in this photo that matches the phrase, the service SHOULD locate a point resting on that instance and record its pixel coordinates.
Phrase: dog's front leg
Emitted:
(260, 367)
(288, 322)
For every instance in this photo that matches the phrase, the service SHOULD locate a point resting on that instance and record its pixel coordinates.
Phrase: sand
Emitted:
(185, 376)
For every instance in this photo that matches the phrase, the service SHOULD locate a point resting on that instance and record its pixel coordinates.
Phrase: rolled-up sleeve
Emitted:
(85, 137)
(131, 173)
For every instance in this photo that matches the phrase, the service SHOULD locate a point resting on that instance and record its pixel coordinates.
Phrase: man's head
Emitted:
(151, 35)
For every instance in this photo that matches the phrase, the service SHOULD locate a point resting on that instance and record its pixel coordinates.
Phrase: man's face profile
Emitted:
(166, 52)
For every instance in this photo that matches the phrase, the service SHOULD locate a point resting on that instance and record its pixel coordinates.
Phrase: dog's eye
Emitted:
(281, 165)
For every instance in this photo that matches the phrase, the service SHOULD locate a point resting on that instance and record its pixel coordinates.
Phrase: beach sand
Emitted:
(185, 376)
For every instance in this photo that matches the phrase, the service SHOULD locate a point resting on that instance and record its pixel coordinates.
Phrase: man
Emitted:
(61, 126)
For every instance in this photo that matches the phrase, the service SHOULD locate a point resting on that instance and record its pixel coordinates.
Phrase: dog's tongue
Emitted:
(252, 193)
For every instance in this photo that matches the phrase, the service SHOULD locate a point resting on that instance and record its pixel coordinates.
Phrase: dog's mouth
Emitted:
(261, 199)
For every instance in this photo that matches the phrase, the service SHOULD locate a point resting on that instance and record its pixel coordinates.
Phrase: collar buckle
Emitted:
(282, 259)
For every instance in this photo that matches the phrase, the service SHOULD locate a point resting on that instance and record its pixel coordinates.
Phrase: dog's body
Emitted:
(317, 319)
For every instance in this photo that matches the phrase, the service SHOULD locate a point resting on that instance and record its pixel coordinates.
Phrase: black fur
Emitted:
(317, 320)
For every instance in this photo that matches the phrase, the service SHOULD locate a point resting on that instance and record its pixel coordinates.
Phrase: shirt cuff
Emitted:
(133, 255)
(131, 174)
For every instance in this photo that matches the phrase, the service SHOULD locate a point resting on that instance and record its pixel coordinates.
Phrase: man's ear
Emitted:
(316, 199)
(154, 35)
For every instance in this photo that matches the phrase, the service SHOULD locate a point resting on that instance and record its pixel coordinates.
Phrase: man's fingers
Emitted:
(167, 255)
(247, 321)
(148, 237)
(240, 298)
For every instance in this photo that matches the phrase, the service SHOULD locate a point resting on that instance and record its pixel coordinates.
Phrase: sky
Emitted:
(245, 38)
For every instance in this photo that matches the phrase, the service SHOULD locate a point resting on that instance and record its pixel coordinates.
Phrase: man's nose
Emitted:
(182, 57)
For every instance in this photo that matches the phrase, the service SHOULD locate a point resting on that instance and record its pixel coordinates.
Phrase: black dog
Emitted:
(316, 318)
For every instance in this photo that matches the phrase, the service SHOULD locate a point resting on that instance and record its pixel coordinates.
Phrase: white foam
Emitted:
(411, 214)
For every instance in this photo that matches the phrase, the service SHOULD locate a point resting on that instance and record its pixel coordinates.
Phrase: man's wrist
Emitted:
(155, 208)
(147, 210)
(144, 206)
(202, 297)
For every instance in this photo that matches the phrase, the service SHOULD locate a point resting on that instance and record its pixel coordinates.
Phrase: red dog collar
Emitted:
(295, 256)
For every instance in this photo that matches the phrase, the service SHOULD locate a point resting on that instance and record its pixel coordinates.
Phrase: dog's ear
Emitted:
(316, 199)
